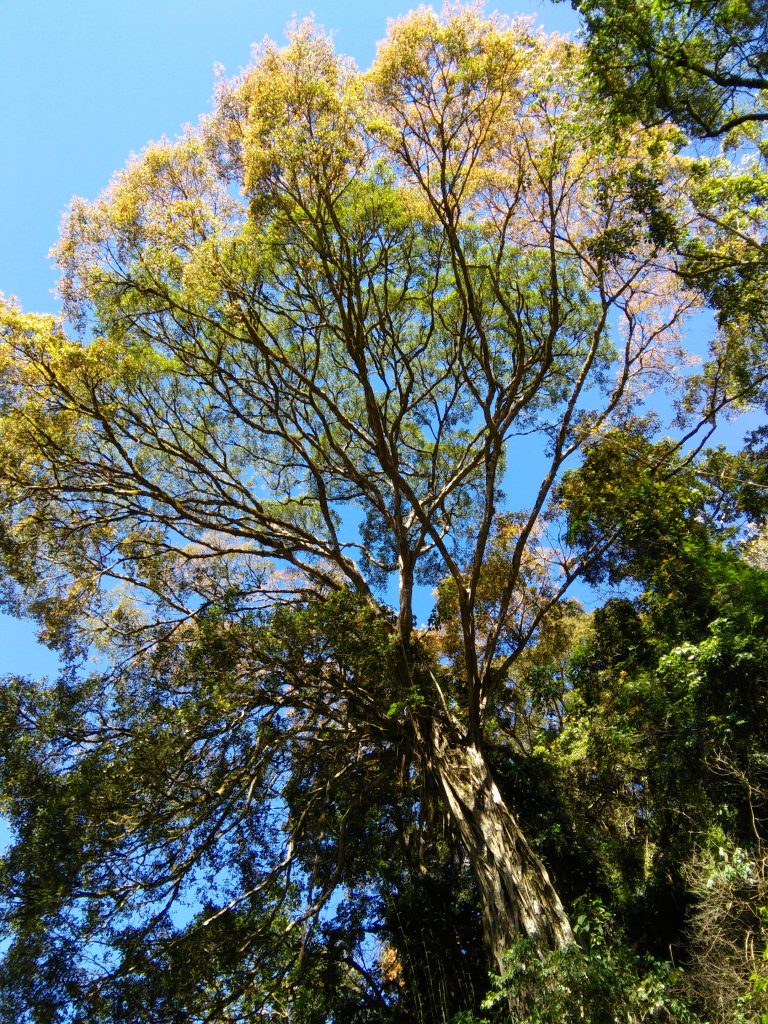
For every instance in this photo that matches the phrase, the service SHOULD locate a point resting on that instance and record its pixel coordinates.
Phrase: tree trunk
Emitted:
(516, 894)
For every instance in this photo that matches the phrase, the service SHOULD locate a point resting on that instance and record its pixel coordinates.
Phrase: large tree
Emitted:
(320, 338)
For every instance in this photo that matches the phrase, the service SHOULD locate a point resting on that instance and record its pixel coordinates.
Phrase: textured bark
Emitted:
(517, 895)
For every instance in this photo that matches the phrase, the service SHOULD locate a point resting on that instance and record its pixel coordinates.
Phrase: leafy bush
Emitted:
(596, 980)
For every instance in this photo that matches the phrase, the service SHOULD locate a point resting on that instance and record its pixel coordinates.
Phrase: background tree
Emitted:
(317, 336)
(702, 64)
(666, 721)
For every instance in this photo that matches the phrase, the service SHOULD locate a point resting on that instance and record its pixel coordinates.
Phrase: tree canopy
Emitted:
(702, 63)
(307, 351)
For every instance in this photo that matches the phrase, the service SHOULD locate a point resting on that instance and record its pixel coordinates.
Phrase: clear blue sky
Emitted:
(83, 83)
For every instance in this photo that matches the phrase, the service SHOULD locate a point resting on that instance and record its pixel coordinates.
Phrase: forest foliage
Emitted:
(413, 620)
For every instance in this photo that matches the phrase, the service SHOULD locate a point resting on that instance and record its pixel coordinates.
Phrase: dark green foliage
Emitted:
(126, 813)
(434, 924)
(598, 979)
(659, 742)
(137, 834)
(701, 63)
(668, 716)
(549, 803)
(635, 507)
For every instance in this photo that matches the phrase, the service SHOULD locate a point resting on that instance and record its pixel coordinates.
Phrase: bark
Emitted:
(517, 896)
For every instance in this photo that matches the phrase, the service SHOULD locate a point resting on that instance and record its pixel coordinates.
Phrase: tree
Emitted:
(317, 335)
(703, 64)
(665, 730)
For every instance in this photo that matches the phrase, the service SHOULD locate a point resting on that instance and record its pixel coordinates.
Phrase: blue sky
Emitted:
(84, 83)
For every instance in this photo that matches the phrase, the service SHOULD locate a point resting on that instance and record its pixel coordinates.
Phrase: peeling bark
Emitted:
(516, 893)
